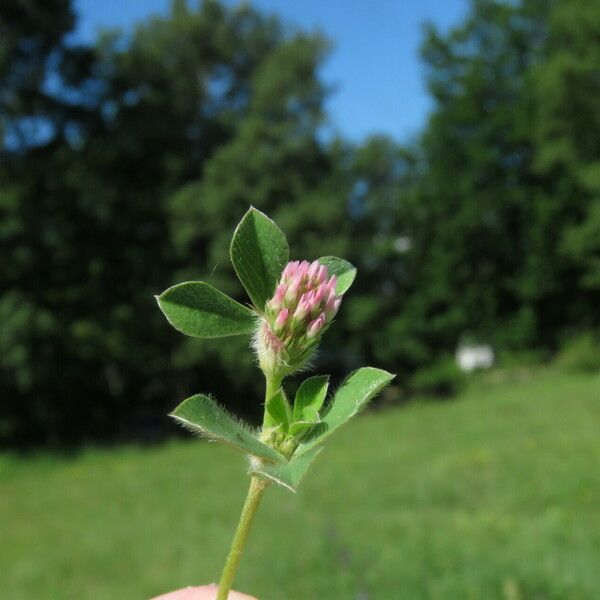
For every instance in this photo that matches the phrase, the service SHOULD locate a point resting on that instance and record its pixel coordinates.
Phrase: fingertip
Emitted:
(202, 592)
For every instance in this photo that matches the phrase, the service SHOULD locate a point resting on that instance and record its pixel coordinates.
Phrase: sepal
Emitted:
(289, 474)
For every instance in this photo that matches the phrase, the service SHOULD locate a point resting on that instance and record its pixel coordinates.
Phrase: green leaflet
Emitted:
(309, 400)
(203, 415)
(199, 310)
(342, 269)
(259, 252)
(288, 474)
(278, 411)
(354, 393)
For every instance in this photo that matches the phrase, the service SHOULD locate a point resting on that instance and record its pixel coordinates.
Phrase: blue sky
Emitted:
(374, 67)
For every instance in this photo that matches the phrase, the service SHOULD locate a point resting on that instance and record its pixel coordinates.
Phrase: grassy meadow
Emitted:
(493, 495)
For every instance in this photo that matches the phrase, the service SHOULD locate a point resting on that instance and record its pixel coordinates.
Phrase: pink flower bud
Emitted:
(318, 295)
(332, 307)
(315, 326)
(302, 270)
(332, 283)
(277, 301)
(292, 291)
(303, 307)
(322, 274)
(281, 319)
(313, 269)
(290, 269)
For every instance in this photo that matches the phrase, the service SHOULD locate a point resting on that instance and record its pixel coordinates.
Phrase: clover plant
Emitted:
(292, 306)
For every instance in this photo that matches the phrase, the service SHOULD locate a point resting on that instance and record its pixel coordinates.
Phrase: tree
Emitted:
(479, 257)
(31, 49)
(126, 164)
(568, 145)
(91, 211)
(38, 71)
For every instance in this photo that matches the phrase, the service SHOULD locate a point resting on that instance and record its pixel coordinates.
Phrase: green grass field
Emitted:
(493, 495)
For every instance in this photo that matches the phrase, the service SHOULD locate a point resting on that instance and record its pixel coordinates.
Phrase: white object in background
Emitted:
(402, 244)
(470, 358)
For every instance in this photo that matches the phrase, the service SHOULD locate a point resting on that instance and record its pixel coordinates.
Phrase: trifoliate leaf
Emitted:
(354, 393)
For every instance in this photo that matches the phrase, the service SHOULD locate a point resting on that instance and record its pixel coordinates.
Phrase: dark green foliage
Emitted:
(129, 173)
(442, 378)
(484, 249)
(103, 214)
(496, 220)
(581, 354)
(567, 89)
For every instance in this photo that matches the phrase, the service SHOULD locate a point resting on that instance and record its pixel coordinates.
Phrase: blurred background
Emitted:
(449, 149)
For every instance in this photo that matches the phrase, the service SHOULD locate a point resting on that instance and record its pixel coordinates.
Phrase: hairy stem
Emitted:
(255, 492)
(273, 384)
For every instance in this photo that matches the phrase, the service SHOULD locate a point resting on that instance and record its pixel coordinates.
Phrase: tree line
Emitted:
(126, 163)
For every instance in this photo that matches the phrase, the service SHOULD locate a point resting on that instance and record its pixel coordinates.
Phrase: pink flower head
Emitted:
(304, 303)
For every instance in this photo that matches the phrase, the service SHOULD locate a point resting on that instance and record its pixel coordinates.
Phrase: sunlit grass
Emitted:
(492, 495)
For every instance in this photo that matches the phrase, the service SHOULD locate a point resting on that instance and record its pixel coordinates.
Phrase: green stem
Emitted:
(273, 384)
(255, 492)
